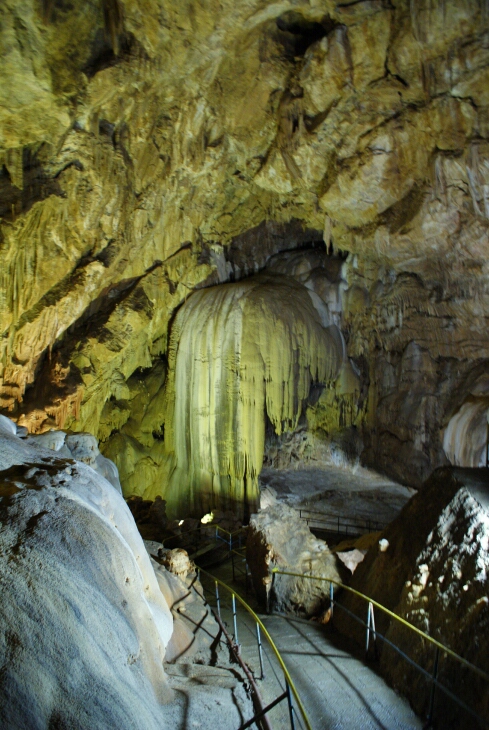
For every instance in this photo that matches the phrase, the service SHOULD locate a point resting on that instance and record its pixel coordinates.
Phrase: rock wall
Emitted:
(432, 571)
(84, 623)
(148, 150)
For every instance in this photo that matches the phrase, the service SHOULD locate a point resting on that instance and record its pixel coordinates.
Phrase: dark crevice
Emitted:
(159, 435)
(300, 32)
(102, 54)
(269, 238)
(384, 4)
(108, 253)
(401, 80)
(36, 186)
(403, 212)
(312, 123)
(107, 129)
(57, 292)
(74, 163)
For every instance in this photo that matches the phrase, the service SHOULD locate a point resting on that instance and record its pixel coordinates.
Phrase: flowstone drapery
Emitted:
(238, 353)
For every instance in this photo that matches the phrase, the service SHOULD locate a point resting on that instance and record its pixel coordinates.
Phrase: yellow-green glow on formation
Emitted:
(237, 352)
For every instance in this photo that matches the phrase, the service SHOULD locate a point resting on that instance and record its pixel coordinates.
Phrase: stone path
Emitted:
(338, 690)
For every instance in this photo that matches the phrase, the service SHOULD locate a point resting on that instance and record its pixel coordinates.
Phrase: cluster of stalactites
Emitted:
(238, 352)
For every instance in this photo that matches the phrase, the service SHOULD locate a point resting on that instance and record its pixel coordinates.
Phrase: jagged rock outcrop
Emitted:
(148, 150)
(432, 570)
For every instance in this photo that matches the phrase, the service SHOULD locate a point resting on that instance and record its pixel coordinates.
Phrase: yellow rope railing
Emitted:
(393, 615)
(263, 628)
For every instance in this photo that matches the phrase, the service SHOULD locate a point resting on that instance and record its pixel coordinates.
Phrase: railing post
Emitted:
(218, 600)
(429, 719)
(372, 623)
(331, 599)
(260, 654)
(369, 618)
(235, 621)
(291, 709)
(371, 630)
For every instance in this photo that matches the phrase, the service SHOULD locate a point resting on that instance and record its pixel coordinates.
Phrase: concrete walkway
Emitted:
(338, 690)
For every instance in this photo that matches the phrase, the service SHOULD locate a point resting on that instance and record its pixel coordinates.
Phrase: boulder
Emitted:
(83, 622)
(277, 537)
(430, 567)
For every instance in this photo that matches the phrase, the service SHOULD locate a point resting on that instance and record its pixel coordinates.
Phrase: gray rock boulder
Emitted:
(83, 622)
(277, 537)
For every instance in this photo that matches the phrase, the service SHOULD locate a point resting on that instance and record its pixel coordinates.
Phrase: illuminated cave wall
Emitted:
(156, 149)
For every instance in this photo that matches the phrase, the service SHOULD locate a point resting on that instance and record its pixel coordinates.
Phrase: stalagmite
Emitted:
(239, 353)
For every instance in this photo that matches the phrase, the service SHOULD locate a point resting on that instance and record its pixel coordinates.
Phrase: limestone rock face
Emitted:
(430, 567)
(82, 616)
(148, 150)
(277, 537)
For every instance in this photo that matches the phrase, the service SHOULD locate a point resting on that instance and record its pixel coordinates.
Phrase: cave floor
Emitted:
(350, 493)
(338, 689)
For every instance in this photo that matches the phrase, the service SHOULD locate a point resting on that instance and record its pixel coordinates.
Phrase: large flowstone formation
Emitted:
(239, 354)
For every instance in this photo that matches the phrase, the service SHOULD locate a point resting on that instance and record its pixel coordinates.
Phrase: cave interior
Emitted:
(241, 240)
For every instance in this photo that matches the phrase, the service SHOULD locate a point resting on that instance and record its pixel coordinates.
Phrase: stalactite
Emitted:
(478, 173)
(238, 351)
(113, 22)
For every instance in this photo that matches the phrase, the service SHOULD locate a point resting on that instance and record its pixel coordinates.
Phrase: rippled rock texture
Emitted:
(84, 623)
(148, 150)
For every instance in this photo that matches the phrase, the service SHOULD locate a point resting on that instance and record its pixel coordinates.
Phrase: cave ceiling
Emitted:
(149, 149)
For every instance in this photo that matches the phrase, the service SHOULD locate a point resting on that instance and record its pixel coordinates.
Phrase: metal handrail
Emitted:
(347, 523)
(393, 615)
(180, 535)
(371, 629)
(199, 528)
(263, 628)
(231, 534)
